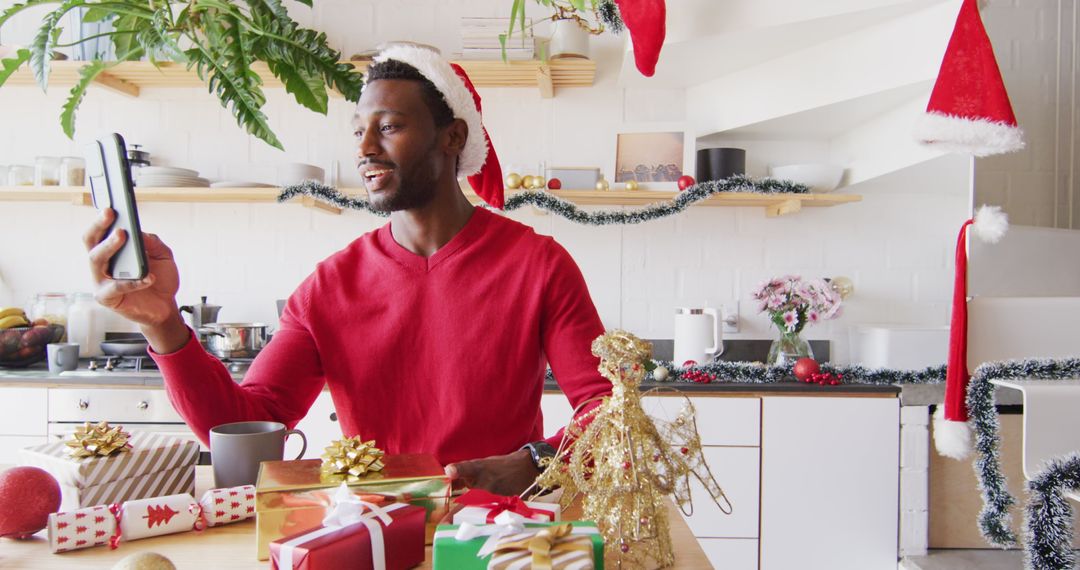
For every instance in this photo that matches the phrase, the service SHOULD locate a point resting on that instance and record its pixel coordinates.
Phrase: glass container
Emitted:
(86, 325)
(47, 171)
(72, 171)
(20, 175)
(52, 307)
(790, 347)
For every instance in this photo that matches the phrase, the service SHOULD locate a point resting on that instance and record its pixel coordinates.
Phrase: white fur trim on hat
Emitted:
(980, 137)
(437, 70)
(951, 439)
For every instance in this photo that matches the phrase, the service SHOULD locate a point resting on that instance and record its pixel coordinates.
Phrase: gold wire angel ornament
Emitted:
(623, 462)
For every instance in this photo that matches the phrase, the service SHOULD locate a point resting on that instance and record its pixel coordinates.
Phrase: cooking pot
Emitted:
(125, 347)
(235, 340)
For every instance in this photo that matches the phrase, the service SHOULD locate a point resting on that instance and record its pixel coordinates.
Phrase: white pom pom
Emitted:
(990, 223)
(951, 439)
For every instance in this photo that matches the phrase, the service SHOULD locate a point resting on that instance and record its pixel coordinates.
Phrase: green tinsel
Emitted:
(753, 373)
(993, 519)
(571, 211)
(610, 16)
(1048, 518)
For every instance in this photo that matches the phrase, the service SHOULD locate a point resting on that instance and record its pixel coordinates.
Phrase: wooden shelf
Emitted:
(130, 77)
(774, 204)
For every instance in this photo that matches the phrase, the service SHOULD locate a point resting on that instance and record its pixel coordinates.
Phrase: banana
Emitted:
(12, 311)
(13, 321)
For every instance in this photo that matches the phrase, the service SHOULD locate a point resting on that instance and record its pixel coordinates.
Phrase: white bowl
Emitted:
(295, 173)
(819, 177)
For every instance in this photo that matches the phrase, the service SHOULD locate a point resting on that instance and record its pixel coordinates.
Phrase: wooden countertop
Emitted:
(233, 546)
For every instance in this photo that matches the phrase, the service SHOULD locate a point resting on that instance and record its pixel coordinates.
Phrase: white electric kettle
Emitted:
(698, 335)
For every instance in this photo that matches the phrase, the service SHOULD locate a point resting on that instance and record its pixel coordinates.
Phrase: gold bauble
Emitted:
(602, 184)
(527, 181)
(631, 185)
(843, 286)
(539, 183)
(513, 181)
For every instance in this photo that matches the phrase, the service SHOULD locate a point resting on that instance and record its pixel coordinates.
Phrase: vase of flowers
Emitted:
(793, 303)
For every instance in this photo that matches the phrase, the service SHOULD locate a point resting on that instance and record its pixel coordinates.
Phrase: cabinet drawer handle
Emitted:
(142, 405)
(333, 416)
(83, 404)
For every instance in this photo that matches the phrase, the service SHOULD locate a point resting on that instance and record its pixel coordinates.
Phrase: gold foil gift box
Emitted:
(294, 496)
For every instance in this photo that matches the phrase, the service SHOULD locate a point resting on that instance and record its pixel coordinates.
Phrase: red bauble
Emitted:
(685, 181)
(804, 367)
(27, 496)
(554, 184)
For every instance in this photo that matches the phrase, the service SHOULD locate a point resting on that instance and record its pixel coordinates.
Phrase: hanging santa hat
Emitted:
(478, 160)
(952, 436)
(646, 20)
(969, 109)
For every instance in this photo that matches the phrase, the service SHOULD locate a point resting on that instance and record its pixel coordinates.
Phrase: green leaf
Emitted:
(308, 51)
(41, 48)
(244, 102)
(87, 73)
(96, 14)
(308, 89)
(578, 5)
(9, 65)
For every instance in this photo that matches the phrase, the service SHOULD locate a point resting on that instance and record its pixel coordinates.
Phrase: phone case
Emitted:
(111, 186)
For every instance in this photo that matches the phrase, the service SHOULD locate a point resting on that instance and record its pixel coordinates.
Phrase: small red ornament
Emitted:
(685, 181)
(626, 465)
(689, 363)
(684, 450)
(554, 184)
(804, 367)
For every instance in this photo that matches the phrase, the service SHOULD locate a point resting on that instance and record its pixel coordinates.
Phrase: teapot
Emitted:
(202, 313)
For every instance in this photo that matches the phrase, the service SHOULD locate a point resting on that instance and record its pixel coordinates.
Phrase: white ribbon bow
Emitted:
(505, 524)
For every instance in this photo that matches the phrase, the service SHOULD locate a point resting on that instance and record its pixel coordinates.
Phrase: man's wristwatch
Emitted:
(539, 451)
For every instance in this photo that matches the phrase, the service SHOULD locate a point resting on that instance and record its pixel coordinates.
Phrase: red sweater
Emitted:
(444, 354)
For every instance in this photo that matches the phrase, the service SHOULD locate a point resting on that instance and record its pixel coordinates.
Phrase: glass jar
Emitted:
(20, 175)
(72, 171)
(790, 347)
(52, 307)
(4, 174)
(47, 171)
(86, 325)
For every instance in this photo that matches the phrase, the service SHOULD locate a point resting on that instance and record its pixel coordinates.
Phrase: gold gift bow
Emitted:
(545, 543)
(350, 458)
(97, 440)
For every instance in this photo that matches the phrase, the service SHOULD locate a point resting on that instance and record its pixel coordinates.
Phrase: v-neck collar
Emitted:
(473, 228)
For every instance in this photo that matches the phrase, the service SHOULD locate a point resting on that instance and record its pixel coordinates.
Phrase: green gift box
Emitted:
(581, 549)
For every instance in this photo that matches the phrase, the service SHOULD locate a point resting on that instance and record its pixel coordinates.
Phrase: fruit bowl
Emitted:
(819, 177)
(22, 346)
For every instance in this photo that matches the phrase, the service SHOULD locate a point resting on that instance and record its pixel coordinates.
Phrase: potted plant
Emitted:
(570, 30)
(219, 39)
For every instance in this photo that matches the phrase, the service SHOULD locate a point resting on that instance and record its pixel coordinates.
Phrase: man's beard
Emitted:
(412, 191)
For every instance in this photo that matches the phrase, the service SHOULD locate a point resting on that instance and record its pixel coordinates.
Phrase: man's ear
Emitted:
(454, 136)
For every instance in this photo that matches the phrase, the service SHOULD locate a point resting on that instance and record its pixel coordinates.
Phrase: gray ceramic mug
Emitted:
(237, 449)
(63, 356)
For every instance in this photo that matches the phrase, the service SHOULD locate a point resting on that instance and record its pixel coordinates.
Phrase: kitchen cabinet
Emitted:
(829, 482)
(320, 426)
(23, 420)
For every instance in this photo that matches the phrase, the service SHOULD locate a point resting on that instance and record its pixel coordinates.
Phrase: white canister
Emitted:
(698, 335)
(86, 325)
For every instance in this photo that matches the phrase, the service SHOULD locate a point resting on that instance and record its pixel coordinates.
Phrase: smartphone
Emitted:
(111, 186)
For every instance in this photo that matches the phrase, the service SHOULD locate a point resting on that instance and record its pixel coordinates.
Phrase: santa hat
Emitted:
(646, 20)
(969, 109)
(478, 160)
(952, 436)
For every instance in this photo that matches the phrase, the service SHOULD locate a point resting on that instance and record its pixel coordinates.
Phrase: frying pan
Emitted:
(125, 347)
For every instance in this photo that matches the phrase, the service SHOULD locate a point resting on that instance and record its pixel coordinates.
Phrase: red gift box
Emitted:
(398, 545)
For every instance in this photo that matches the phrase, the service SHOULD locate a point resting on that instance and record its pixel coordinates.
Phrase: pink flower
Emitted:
(791, 319)
(812, 316)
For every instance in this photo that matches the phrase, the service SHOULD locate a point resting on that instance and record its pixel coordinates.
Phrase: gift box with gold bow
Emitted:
(576, 545)
(103, 464)
(295, 496)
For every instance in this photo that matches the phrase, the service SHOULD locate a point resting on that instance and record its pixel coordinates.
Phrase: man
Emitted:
(432, 332)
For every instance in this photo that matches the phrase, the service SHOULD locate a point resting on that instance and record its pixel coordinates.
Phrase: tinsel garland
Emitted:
(753, 373)
(993, 519)
(569, 210)
(1048, 518)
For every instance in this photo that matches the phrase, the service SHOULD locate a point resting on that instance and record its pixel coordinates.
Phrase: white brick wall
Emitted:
(895, 244)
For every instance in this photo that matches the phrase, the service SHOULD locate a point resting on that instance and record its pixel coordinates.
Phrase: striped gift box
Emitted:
(157, 465)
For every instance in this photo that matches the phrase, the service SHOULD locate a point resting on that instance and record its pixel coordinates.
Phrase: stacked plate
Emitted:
(169, 177)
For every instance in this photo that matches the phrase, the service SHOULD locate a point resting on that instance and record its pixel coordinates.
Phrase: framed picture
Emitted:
(654, 159)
